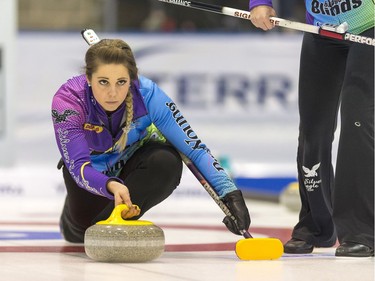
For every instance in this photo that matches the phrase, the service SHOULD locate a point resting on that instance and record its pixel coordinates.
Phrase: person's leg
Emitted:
(322, 68)
(354, 186)
(79, 210)
(151, 175)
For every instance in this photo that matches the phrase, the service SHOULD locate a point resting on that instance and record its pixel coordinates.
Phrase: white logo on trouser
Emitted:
(310, 183)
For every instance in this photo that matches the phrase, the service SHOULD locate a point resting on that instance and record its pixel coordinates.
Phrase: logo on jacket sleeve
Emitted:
(59, 118)
(193, 141)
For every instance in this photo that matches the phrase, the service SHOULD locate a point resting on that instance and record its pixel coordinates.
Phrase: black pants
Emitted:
(336, 74)
(151, 175)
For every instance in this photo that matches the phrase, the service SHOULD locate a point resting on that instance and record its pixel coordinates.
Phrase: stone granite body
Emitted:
(124, 243)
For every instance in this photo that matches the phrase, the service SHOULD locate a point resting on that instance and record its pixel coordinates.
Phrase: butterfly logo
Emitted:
(311, 173)
(59, 118)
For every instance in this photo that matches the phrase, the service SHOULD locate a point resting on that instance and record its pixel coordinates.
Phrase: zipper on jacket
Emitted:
(110, 129)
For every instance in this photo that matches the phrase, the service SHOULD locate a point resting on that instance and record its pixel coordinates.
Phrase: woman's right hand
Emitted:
(260, 17)
(122, 196)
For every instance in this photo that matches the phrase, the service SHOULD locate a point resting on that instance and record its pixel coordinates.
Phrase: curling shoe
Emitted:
(297, 246)
(351, 249)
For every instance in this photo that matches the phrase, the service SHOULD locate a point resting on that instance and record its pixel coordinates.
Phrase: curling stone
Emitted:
(290, 197)
(119, 240)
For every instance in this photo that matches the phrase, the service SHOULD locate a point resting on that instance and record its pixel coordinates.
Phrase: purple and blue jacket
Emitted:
(86, 136)
(359, 14)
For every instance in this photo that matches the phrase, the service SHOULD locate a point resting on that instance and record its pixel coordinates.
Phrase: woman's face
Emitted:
(110, 85)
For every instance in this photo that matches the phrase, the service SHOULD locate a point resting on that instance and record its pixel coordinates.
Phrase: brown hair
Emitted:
(114, 51)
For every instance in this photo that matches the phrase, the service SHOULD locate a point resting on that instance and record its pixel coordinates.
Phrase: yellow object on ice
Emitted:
(259, 249)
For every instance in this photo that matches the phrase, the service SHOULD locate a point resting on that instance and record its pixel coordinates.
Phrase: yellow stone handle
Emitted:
(116, 219)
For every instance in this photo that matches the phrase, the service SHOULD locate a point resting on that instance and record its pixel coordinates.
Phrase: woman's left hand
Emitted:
(132, 212)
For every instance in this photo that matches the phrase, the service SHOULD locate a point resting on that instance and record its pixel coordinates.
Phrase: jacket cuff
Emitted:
(105, 192)
(255, 3)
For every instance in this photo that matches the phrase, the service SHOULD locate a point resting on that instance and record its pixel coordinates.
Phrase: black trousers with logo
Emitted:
(151, 175)
(336, 203)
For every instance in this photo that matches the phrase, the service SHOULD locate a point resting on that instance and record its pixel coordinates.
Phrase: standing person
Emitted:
(334, 74)
(107, 126)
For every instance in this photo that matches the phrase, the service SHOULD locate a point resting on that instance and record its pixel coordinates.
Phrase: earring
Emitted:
(89, 84)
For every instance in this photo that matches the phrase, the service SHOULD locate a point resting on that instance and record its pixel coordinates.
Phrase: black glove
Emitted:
(236, 204)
